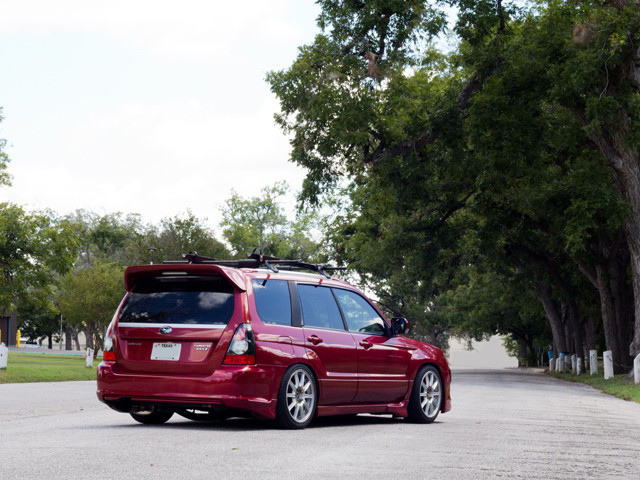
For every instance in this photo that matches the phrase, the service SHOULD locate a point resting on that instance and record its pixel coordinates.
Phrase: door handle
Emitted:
(314, 339)
(366, 344)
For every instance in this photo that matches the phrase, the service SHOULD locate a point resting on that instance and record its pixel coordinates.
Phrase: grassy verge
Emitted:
(39, 367)
(615, 386)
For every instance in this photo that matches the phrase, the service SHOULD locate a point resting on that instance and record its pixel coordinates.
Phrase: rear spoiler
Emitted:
(133, 274)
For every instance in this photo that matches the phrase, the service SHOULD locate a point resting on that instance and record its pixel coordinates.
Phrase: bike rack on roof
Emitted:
(257, 260)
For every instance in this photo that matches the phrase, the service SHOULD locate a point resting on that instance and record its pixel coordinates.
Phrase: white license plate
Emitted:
(166, 351)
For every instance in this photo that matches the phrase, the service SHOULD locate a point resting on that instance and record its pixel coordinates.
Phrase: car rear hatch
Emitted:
(174, 319)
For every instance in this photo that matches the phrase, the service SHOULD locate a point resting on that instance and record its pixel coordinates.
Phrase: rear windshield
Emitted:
(185, 300)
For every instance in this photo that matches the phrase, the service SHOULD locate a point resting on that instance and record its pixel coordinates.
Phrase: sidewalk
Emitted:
(46, 351)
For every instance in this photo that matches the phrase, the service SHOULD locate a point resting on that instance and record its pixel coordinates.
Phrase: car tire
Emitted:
(426, 395)
(152, 417)
(297, 398)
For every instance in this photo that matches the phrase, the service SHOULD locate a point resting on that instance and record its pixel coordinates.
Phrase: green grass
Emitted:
(615, 386)
(39, 367)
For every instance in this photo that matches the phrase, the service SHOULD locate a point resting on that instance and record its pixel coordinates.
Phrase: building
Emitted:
(9, 328)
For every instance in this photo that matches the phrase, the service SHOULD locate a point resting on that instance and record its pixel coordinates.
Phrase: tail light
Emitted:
(242, 349)
(108, 355)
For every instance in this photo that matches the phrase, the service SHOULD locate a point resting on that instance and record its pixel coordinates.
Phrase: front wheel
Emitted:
(297, 397)
(426, 395)
(152, 417)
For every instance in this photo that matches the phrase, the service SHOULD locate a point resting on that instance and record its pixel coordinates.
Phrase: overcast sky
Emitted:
(151, 107)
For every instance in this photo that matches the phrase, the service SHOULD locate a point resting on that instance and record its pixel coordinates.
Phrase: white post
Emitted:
(560, 363)
(607, 358)
(593, 362)
(578, 366)
(574, 364)
(4, 355)
(552, 364)
(636, 370)
(89, 361)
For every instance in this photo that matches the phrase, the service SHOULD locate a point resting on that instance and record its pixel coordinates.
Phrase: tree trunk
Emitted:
(523, 357)
(68, 332)
(616, 298)
(554, 316)
(88, 335)
(574, 338)
(590, 327)
(624, 161)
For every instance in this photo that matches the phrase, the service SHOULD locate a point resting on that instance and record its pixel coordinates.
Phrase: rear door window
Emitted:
(179, 301)
(319, 307)
(273, 301)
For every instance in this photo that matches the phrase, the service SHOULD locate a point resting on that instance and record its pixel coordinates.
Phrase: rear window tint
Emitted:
(273, 301)
(187, 300)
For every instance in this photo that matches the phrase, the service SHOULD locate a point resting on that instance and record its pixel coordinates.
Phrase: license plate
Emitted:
(166, 351)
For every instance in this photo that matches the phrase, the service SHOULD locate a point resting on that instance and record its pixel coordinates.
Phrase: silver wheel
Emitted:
(426, 395)
(297, 397)
(301, 396)
(430, 393)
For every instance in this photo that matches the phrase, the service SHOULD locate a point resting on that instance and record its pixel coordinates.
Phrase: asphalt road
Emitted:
(504, 424)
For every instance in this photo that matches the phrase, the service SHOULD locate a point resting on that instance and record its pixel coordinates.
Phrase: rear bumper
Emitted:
(252, 389)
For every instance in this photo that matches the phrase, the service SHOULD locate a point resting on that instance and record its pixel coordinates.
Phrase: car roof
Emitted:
(237, 276)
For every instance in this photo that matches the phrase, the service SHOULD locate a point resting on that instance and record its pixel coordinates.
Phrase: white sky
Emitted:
(141, 106)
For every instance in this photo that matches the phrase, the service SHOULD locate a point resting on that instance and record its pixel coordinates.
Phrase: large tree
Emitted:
(507, 139)
(89, 296)
(34, 249)
(261, 223)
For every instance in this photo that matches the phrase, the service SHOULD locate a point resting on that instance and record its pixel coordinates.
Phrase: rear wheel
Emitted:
(297, 397)
(426, 395)
(152, 416)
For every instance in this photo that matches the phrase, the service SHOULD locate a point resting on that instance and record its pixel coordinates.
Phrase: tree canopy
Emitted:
(491, 186)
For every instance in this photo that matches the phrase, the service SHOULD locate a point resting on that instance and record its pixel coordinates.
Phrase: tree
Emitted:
(34, 249)
(38, 316)
(506, 140)
(89, 296)
(105, 237)
(183, 234)
(261, 223)
(5, 178)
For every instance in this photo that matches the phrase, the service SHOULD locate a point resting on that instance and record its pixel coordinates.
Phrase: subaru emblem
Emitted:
(166, 330)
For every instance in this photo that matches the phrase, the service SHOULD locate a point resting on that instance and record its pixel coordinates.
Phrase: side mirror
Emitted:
(399, 325)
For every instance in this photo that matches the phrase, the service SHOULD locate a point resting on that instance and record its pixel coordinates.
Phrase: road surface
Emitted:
(505, 424)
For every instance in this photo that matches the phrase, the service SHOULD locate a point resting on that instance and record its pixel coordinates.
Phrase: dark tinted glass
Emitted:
(319, 308)
(273, 301)
(360, 315)
(188, 300)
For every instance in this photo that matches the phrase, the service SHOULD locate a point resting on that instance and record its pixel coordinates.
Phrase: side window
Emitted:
(319, 308)
(361, 317)
(273, 301)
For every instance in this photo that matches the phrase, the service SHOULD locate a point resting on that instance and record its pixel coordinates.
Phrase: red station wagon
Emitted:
(211, 339)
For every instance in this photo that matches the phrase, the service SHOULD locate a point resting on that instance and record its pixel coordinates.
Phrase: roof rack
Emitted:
(257, 260)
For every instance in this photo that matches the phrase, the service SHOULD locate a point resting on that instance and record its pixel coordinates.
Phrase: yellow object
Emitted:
(18, 339)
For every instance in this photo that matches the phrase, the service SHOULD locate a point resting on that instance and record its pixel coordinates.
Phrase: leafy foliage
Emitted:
(5, 178)
(475, 179)
(34, 249)
(260, 223)
(89, 297)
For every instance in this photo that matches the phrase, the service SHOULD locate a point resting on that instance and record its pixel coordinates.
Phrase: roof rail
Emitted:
(257, 260)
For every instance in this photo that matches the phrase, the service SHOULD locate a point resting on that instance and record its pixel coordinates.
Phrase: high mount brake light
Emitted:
(242, 349)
